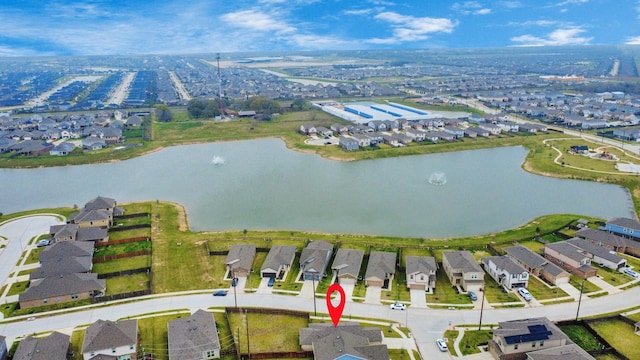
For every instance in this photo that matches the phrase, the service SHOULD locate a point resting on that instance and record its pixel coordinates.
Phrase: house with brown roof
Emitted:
(463, 270)
(194, 337)
(381, 269)
(55, 346)
(239, 261)
(114, 339)
(421, 272)
(346, 341)
(346, 265)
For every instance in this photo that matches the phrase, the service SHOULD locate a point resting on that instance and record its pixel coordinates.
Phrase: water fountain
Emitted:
(217, 161)
(437, 178)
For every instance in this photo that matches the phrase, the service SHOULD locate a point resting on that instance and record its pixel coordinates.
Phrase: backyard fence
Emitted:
(607, 348)
(129, 227)
(100, 259)
(122, 241)
(121, 296)
(124, 272)
(129, 216)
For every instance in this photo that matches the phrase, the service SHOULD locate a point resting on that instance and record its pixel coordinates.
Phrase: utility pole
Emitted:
(481, 309)
(580, 298)
(238, 343)
(247, 319)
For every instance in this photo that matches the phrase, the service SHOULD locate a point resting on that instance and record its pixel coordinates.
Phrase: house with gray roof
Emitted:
(537, 265)
(346, 341)
(92, 234)
(64, 232)
(610, 241)
(380, 269)
(52, 347)
(239, 261)
(194, 337)
(314, 259)
(571, 258)
(625, 227)
(599, 255)
(118, 339)
(278, 261)
(565, 352)
(3, 348)
(463, 270)
(346, 265)
(63, 265)
(512, 340)
(60, 289)
(421, 272)
(90, 217)
(506, 271)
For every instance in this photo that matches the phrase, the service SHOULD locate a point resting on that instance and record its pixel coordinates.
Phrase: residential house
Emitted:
(421, 272)
(362, 139)
(565, 352)
(512, 340)
(339, 129)
(348, 143)
(62, 266)
(64, 232)
(392, 140)
(346, 265)
(377, 125)
(308, 129)
(89, 218)
(375, 138)
(314, 259)
(570, 258)
(470, 134)
(626, 227)
(66, 248)
(610, 241)
(479, 131)
(506, 271)
(93, 143)
(463, 270)
(491, 128)
(323, 131)
(380, 269)
(416, 135)
(114, 339)
(278, 261)
(112, 135)
(3, 348)
(432, 136)
(455, 131)
(62, 149)
(599, 255)
(537, 265)
(55, 346)
(134, 121)
(239, 260)
(347, 341)
(60, 289)
(194, 337)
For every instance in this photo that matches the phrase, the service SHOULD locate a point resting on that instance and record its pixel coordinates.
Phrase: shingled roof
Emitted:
(331, 342)
(190, 337)
(62, 285)
(380, 264)
(106, 334)
(53, 347)
(66, 248)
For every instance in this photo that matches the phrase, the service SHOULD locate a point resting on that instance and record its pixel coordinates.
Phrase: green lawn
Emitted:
(77, 339)
(119, 235)
(135, 262)
(495, 293)
(541, 291)
(127, 283)
(620, 335)
(444, 293)
(632, 261)
(582, 337)
(122, 248)
(613, 277)
(267, 332)
(153, 335)
(33, 256)
(18, 288)
(471, 340)
(589, 287)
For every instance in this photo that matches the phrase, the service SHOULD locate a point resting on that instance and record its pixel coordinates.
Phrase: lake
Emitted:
(260, 184)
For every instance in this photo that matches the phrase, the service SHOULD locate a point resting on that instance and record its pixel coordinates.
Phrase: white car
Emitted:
(525, 294)
(442, 345)
(630, 272)
(398, 306)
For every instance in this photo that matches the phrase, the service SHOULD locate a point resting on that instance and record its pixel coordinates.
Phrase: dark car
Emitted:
(220, 293)
(272, 281)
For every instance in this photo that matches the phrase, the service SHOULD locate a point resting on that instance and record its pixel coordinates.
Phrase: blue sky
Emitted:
(95, 27)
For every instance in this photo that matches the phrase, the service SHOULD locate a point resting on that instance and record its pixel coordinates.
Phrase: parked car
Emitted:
(525, 294)
(220, 293)
(43, 242)
(630, 272)
(271, 282)
(398, 306)
(472, 296)
(442, 345)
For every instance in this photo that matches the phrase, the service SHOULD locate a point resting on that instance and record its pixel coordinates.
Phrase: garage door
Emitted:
(347, 281)
(268, 274)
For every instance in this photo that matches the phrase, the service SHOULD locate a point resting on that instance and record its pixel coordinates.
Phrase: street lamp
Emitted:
(313, 280)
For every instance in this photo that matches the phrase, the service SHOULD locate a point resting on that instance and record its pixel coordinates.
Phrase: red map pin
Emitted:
(335, 311)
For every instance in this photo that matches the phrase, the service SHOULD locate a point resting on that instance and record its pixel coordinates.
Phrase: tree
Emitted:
(299, 104)
(163, 114)
(200, 108)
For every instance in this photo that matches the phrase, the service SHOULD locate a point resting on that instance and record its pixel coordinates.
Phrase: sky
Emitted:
(124, 27)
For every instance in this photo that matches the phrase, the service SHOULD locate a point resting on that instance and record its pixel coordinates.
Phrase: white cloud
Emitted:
(511, 4)
(566, 36)
(410, 28)
(470, 8)
(258, 21)
(543, 23)
(482, 12)
(633, 41)
(569, 2)
(361, 11)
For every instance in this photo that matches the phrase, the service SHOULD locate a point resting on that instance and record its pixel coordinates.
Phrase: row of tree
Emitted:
(209, 108)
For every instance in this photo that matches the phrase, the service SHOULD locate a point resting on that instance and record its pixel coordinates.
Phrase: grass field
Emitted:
(620, 335)
(582, 337)
(153, 335)
(589, 287)
(18, 288)
(495, 293)
(267, 332)
(471, 340)
(126, 283)
(541, 291)
(33, 256)
(135, 262)
(119, 235)
(122, 248)
(77, 339)
(444, 293)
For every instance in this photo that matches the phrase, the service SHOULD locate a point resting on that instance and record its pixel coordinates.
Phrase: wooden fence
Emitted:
(122, 296)
(124, 273)
(129, 216)
(122, 241)
(129, 227)
(120, 256)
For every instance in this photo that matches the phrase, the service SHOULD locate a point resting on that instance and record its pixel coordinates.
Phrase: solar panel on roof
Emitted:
(536, 333)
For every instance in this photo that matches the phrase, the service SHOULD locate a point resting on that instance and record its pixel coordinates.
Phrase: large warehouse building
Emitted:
(363, 113)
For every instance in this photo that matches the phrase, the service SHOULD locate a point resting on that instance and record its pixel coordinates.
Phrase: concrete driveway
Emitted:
(348, 291)
(418, 298)
(373, 295)
(603, 285)
(571, 290)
